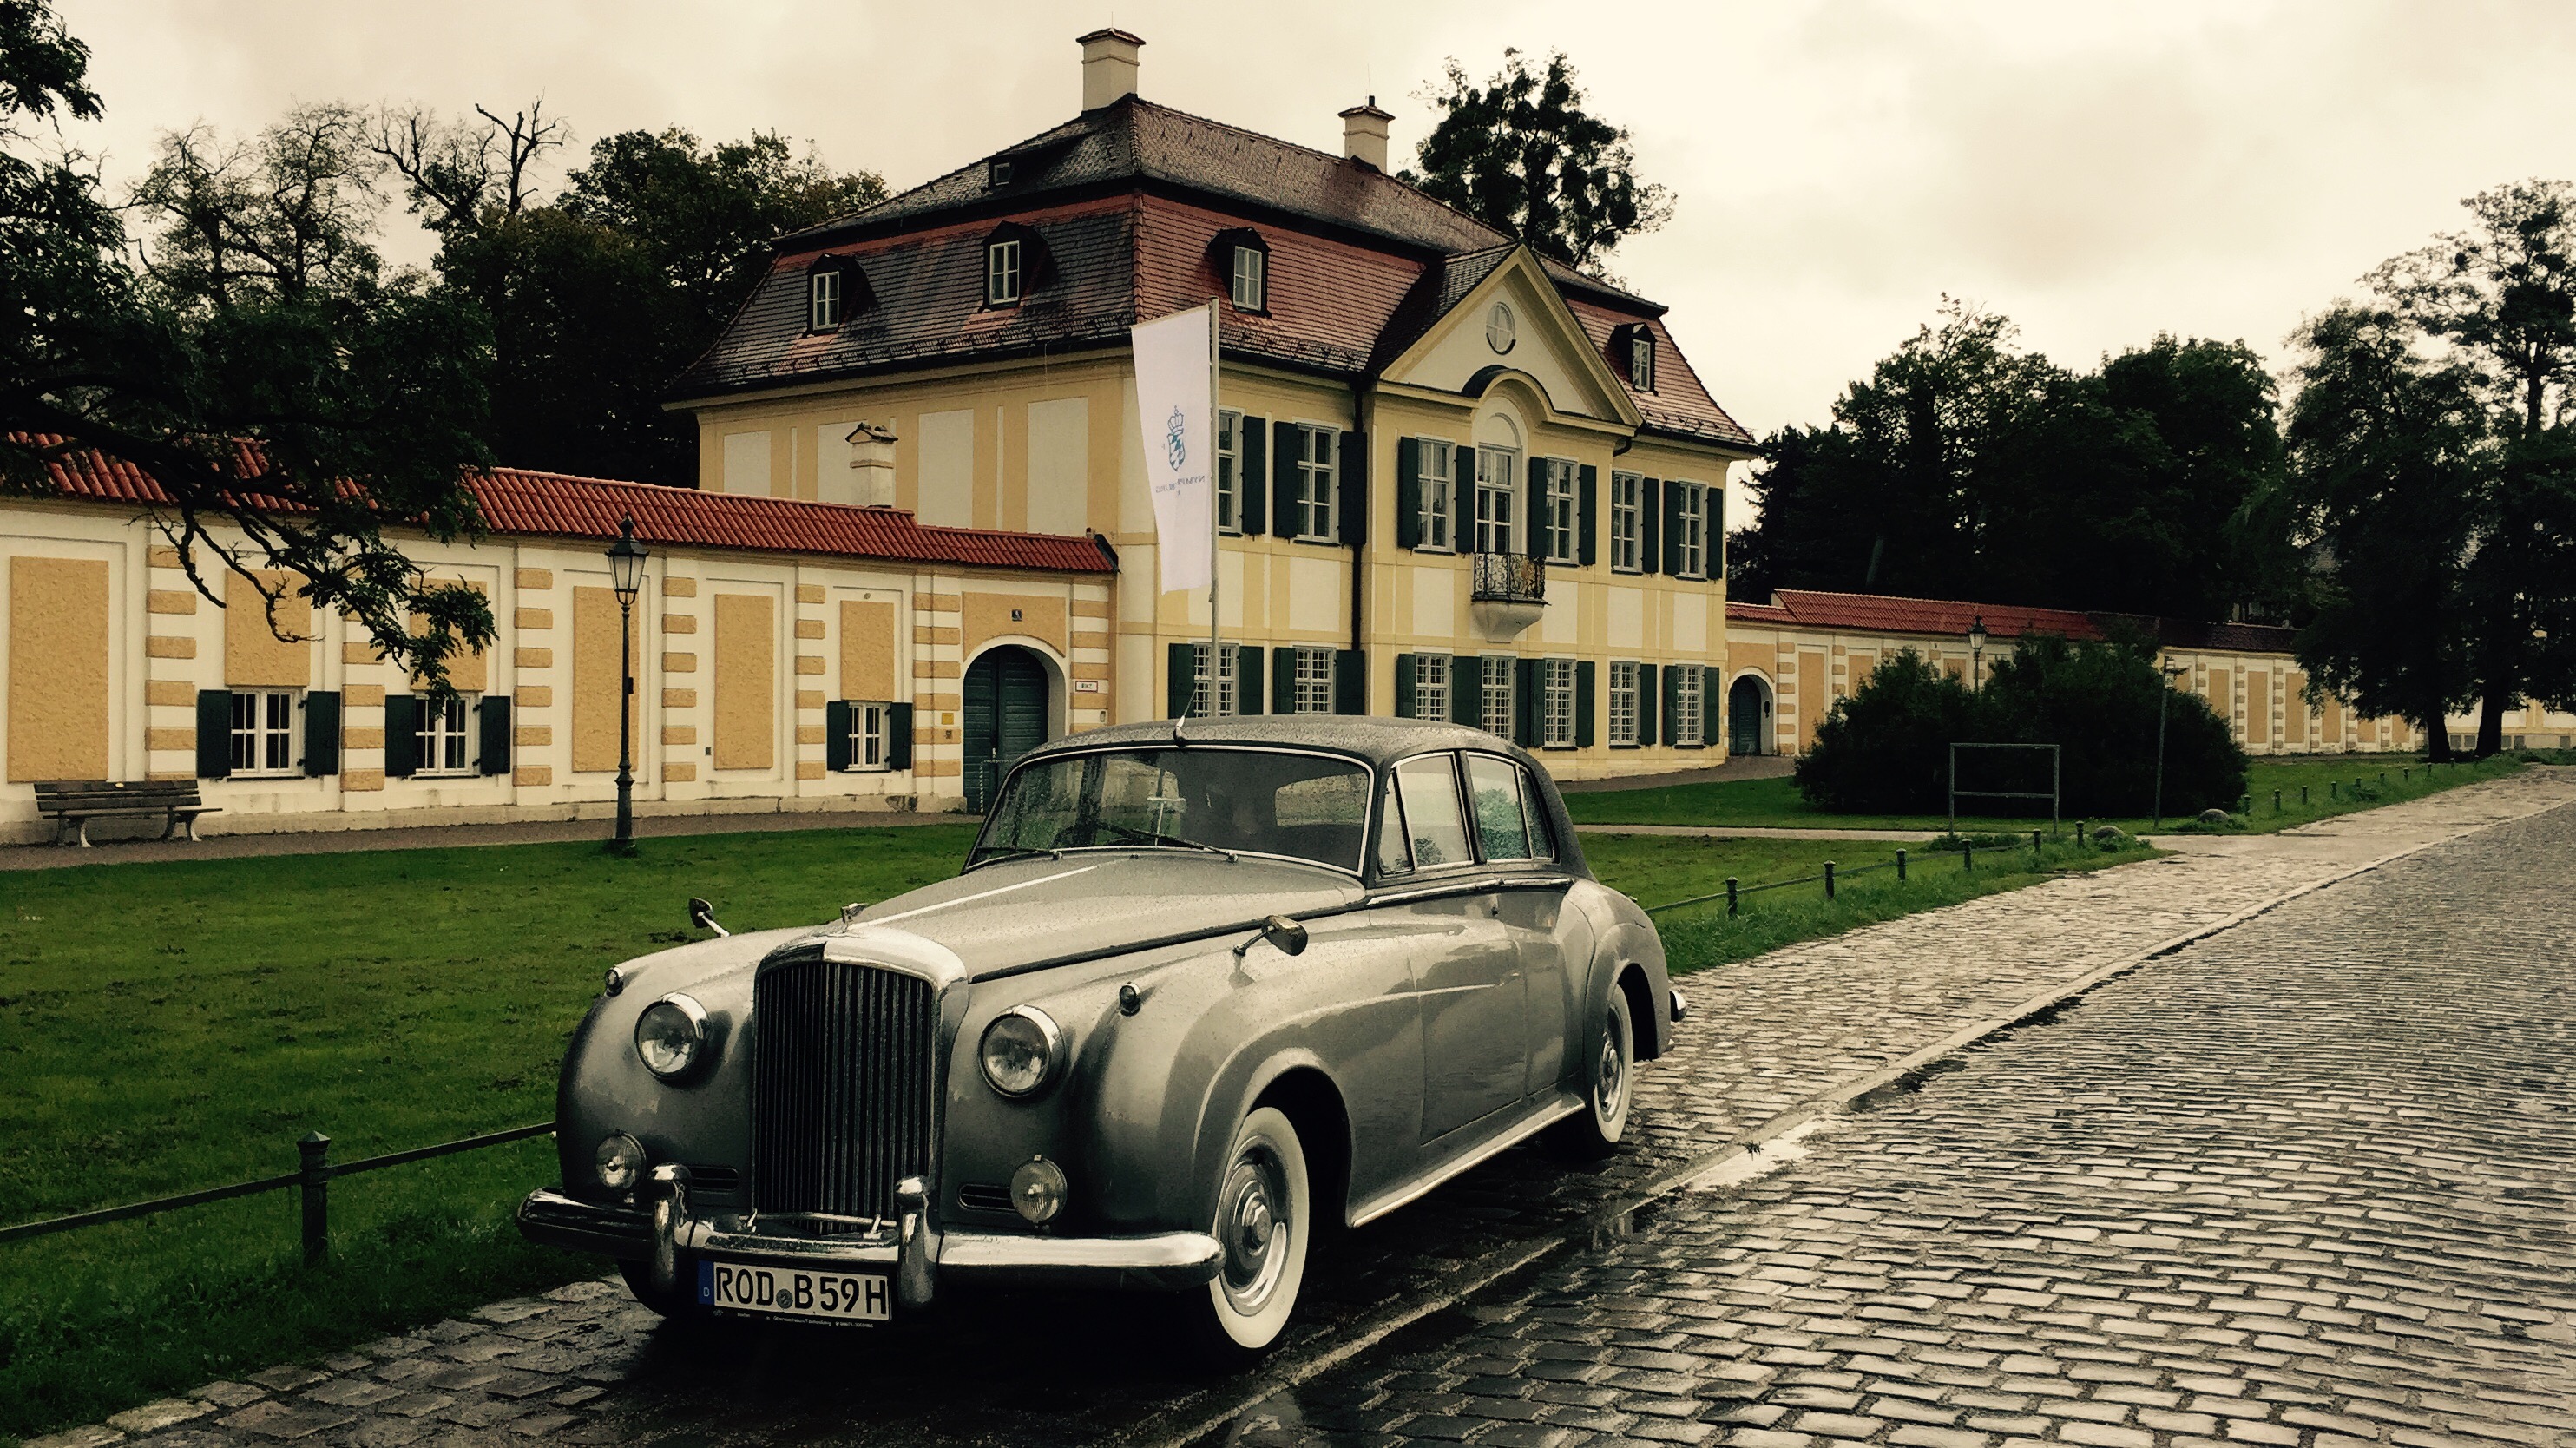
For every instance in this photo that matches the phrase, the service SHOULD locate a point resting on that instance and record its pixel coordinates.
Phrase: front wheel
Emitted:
(1264, 1221)
(678, 1305)
(1594, 1132)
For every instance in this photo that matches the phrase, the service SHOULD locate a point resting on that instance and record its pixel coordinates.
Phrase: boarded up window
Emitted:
(467, 673)
(746, 682)
(254, 656)
(596, 680)
(2294, 711)
(1059, 465)
(1814, 697)
(868, 651)
(2258, 707)
(58, 668)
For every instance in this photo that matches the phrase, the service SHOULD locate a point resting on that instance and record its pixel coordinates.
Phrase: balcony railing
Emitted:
(1509, 578)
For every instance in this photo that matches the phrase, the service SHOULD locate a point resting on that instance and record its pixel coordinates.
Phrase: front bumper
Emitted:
(661, 1231)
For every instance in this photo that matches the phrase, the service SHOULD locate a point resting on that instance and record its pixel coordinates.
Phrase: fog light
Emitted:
(620, 1160)
(1037, 1189)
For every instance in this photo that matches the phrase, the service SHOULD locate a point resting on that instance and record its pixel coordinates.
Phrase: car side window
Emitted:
(1542, 834)
(1434, 822)
(1502, 825)
(1394, 855)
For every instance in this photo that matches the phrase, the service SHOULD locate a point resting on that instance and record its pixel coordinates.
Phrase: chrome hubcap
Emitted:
(1251, 1218)
(1610, 1077)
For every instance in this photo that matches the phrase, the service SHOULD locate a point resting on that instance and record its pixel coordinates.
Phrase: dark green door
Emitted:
(1006, 717)
(1745, 708)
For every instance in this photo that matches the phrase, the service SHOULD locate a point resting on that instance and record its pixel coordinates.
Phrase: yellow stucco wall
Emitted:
(58, 668)
(746, 681)
(264, 647)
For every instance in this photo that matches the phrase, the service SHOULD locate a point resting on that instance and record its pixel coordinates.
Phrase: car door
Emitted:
(1512, 838)
(1467, 972)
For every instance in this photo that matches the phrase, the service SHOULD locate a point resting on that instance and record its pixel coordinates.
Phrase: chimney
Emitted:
(1364, 134)
(1108, 67)
(872, 465)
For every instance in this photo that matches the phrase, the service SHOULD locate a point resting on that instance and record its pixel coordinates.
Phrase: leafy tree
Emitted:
(1521, 154)
(2499, 300)
(1885, 749)
(292, 402)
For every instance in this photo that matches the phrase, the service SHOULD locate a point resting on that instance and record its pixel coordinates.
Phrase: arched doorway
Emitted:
(1006, 717)
(1748, 716)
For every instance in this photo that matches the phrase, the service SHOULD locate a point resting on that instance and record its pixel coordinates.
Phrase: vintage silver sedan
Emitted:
(1199, 992)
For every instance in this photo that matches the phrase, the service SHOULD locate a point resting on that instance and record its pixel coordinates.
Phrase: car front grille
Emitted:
(843, 1078)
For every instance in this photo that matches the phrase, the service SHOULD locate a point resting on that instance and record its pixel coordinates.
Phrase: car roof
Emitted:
(1376, 740)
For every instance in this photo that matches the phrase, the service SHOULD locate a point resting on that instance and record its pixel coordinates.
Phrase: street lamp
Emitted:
(1976, 651)
(2166, 673)
(626, 574)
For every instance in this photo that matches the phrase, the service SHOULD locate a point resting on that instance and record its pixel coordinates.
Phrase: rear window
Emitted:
(1434, 825)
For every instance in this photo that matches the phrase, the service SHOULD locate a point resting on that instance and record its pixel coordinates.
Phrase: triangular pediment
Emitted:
(1513, 318)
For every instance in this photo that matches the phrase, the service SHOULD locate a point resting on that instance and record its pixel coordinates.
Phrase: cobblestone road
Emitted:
(585, 1365)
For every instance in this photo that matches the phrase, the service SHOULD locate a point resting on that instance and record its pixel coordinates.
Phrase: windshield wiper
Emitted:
(1149, 837)
(996, 856)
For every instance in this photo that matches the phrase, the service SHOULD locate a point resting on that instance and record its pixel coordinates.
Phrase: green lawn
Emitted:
(1776, 803)
(170, 1026)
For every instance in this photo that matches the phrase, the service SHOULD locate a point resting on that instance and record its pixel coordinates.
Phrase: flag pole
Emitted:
(1215, 662)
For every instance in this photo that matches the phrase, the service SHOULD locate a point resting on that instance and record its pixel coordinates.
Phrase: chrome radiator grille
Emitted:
(843, 1078)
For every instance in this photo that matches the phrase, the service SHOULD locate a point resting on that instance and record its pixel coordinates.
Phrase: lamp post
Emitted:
(2166, 673)
(1976, 652)
(626, 574)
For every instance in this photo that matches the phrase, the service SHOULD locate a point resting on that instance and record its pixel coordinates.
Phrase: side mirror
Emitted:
(703, 916)
(1285, 934)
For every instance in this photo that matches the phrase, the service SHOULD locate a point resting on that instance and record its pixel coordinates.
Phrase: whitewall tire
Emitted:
(1609, 1084)
(1265, 1221)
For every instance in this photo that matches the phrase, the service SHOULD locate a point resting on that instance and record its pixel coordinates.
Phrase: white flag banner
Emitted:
(1174, 410)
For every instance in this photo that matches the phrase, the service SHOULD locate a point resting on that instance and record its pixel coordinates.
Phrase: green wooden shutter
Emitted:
(836, 735)
(1527, 703)
(1350, 681)
(1462, 498)
(1650, 557)
(1712, 698)
(1408, 492)
(1646, 705)
(214, 733)
(1584, 699)
(1670, 705)
(492, 718)
(1351, 508)
(402, 735)
(1287, 445)
(1184, 679)
(1467, 689)
(1283, 679)
(1252, 475)
(1534, 507)
(1673, 527)
(1247, 680)
(1587, 513)
(898, 736)
(321, 733)
(1404, 686)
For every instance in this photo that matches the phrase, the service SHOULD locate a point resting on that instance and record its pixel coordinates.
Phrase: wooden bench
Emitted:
(73, 803)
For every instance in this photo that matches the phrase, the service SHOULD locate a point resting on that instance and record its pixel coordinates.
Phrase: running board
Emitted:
(1537, 1120)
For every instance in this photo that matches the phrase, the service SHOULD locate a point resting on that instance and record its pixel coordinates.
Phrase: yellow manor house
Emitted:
(1455, 480)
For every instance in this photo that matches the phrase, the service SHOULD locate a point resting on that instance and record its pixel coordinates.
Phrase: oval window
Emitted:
(1500, 328)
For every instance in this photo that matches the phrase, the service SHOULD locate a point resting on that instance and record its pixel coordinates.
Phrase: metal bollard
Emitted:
(1968, 859)
(2334, 790)
(2276, 801)
(1900, 862)
(1730, 894)
(2303, 796)
(315, 1172)
(2034, 847)
(1829, 879)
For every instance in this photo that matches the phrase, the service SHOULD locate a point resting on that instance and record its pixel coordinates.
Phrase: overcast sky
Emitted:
(2098, 173)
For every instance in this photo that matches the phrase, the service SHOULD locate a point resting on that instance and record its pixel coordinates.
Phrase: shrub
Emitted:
(1885, 749)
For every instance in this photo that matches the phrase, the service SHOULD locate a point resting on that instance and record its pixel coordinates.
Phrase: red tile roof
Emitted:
(1951, 618)
(517, 501)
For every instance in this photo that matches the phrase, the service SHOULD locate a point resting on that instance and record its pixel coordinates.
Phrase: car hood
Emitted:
(1022, 912)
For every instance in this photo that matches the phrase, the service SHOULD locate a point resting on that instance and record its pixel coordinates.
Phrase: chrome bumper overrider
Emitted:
(916, 1254)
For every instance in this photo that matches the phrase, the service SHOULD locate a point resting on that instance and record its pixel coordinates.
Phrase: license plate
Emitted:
(794, 1292)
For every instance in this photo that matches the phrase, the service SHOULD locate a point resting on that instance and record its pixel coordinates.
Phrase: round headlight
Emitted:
(1037, 1189)
(670, 1036)
(1022, 1050)
(620, 1160)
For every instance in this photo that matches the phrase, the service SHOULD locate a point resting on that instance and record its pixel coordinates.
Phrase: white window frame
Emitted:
(1498, 498)
(1319, 475)
(823, 299)
(1627, 523)
(1556, 703)
(1436, 483)
(1690, 547)
(1556, 478)
(1229, 681)
(1623, 701)
(1431, 686)
(1690, 704)
(1002, 273)
(1495, 673)
(868, 737)
(265, 727)
(1311, 684)
(1229, 471)
(1641, 360)
(1249, 285)
(446, 737)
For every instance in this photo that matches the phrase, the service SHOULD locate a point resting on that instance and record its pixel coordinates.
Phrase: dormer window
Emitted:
(823, 299)
(1641, 359)
(997, 174)
(1003, 272)
(1251, 279)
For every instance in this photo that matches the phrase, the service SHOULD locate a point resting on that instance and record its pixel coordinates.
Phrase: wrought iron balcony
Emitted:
(1509, 578)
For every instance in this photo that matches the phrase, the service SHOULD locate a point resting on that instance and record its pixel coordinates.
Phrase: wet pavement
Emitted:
(2118, 1212)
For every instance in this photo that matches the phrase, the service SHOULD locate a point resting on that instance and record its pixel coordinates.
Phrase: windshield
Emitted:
(1259, 801)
